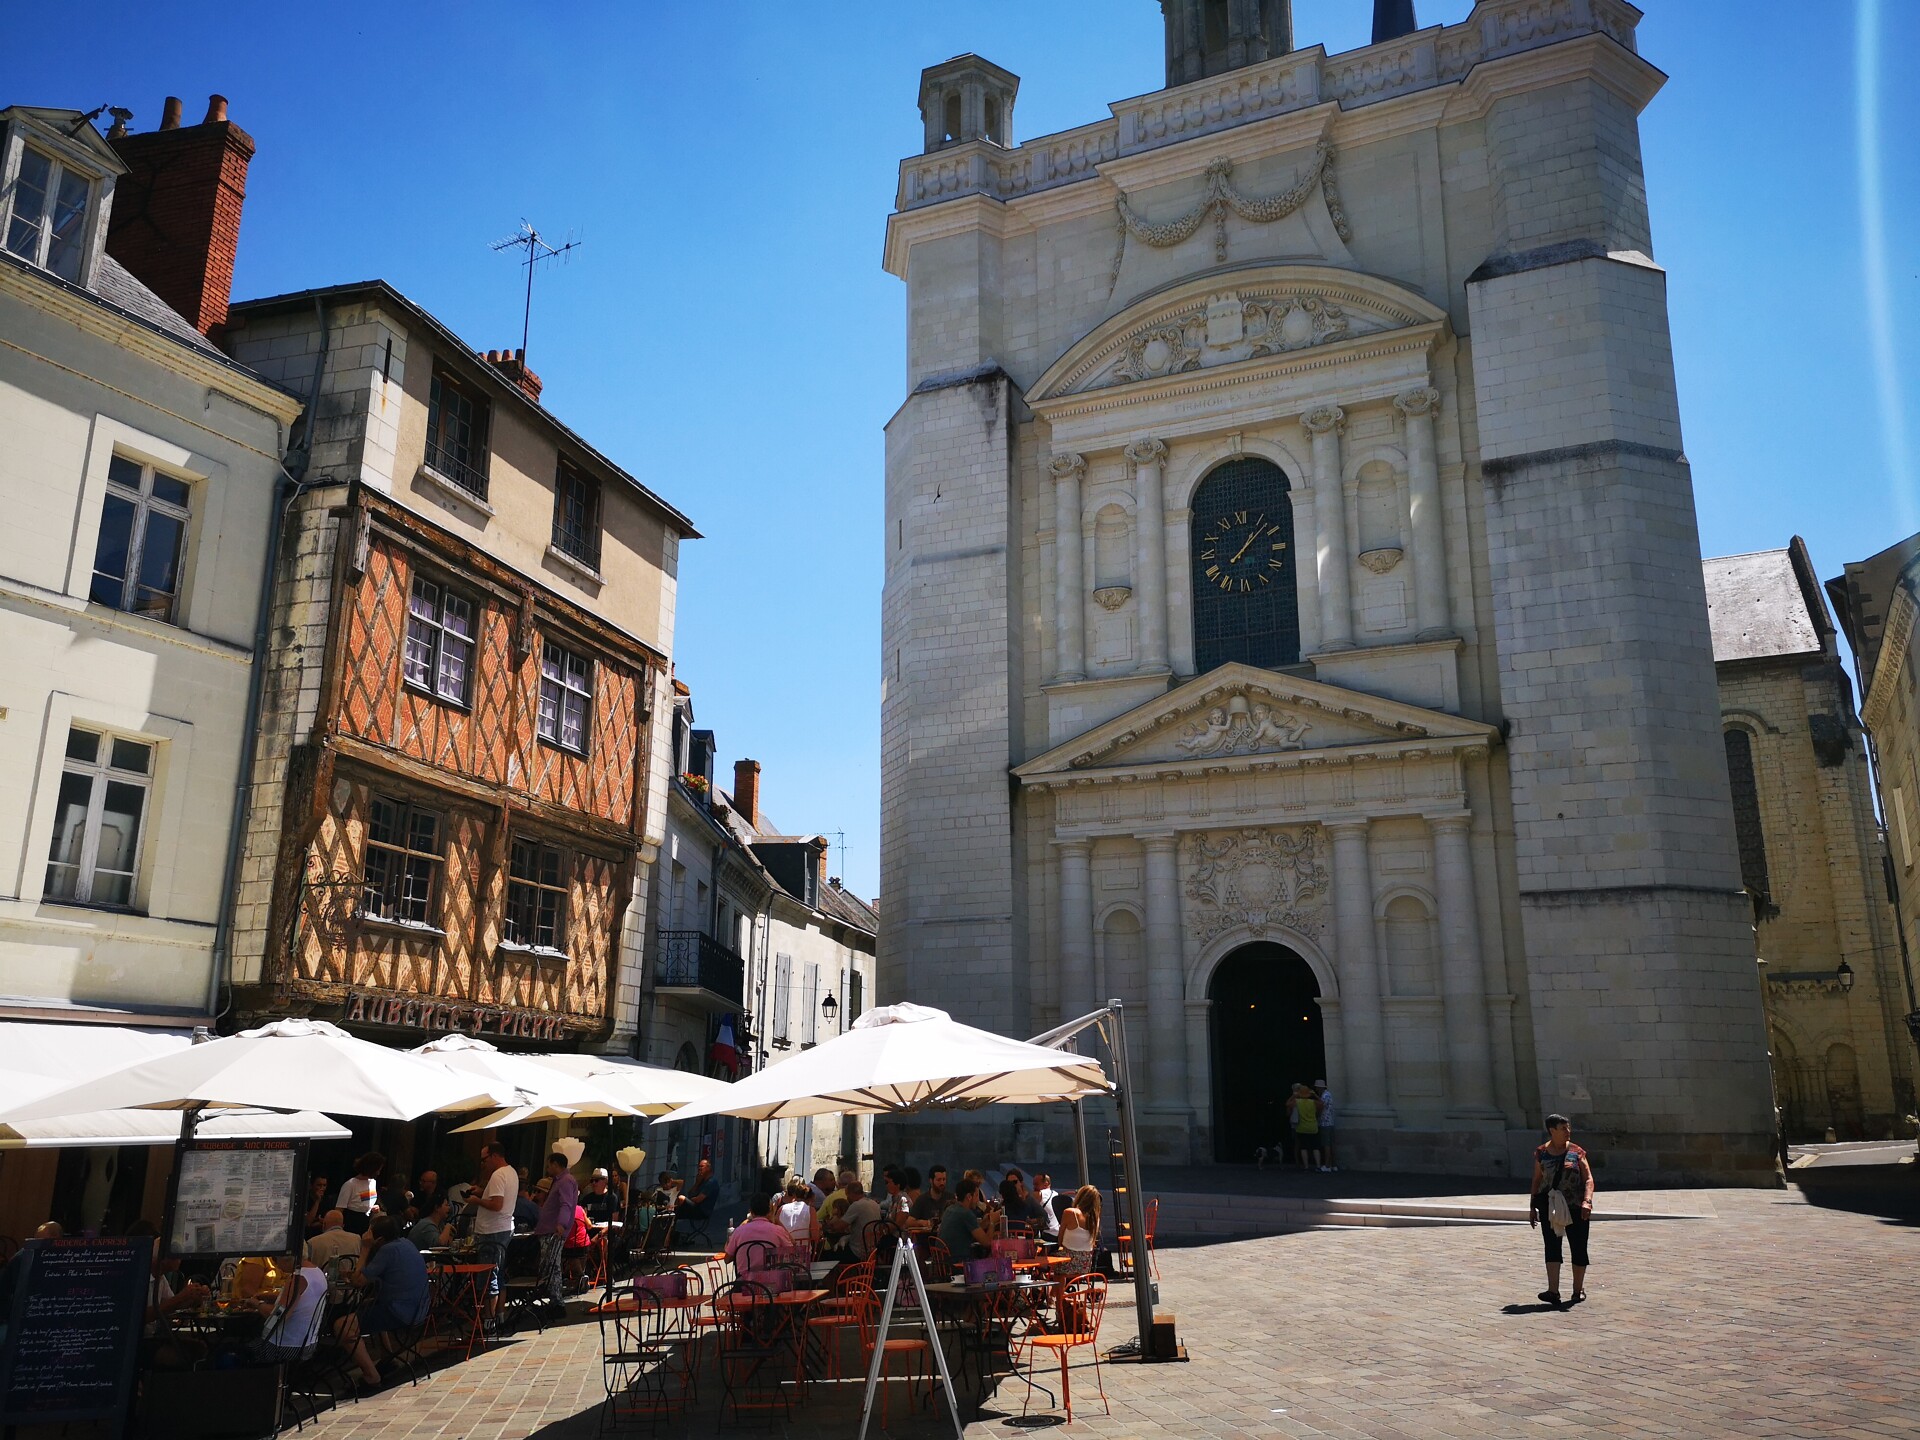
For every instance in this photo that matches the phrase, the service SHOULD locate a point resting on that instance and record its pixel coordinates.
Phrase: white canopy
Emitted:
(649, 1089)
(287, 1065)
(39, 1058)
(546, 1092)
(906, 1057)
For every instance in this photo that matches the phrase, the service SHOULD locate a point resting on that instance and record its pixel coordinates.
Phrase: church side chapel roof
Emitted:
(1759, 607)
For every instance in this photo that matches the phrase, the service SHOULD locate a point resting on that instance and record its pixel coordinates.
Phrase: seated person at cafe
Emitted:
(823, 1181)
(426, 1192)
(905, 1207)
(967, 1229)
(600, 1203)
(935, 1198)
(1017, 1203)
(848, 1229)
(760, 1227)
(429, 1228)
(333, 1241)
(319, 1192)
(293, 1318)
(526, 1207)
(400, 1295)
(797, 1215)
(697, 1206)
(1043, 1194)
(836, 1200)
(158, 1349)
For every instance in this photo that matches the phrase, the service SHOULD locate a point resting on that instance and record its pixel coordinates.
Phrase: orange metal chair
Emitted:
(1083, 1301)
(915, 1350)
(1123, 1242)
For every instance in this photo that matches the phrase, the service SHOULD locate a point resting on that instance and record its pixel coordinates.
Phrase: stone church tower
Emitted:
(1293, 615)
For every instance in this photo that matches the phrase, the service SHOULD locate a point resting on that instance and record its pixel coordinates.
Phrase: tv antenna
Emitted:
(538, 248)
(841, 835)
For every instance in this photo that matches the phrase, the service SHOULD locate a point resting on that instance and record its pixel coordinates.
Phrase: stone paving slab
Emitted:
(1769, 1318)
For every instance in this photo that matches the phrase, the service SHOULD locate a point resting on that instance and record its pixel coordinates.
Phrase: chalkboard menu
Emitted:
(74, 1330)
(237, 1197)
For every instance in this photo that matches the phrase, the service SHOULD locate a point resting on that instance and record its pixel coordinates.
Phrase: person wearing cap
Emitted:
(600, 1203)
(1325, 1096)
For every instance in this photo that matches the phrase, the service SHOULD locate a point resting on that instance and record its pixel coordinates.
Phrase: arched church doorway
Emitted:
(1267, 1034)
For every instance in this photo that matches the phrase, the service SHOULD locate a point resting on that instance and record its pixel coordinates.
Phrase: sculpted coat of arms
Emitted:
(1261, 877)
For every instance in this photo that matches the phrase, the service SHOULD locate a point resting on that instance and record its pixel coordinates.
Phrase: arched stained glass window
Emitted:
(1245, 607)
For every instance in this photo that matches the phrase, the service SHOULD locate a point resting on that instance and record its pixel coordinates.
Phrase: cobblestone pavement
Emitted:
(1769, 1318)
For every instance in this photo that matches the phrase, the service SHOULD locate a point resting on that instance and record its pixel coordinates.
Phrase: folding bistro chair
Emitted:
(635, 1358)
(753, 1349)
(1083, 1301)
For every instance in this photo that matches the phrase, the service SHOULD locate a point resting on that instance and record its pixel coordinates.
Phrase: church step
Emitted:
(1184, 1216)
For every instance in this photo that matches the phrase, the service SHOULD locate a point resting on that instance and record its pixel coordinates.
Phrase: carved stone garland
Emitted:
(1259, 877)
(1220, 198)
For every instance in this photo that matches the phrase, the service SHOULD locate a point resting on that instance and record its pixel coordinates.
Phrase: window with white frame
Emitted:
(143, 541)
(104, 784)
(810, 1006)
(405, 850)
(782, 984)
(47, 216)
(566, 697)
(536, 895)
(439, 656)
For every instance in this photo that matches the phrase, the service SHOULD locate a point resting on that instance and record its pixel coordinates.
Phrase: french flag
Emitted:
(723, 1050)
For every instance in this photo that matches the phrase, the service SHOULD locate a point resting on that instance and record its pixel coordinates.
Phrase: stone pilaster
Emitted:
(1069, 584)
(1149, 459)
(1166, 976)
(1418, 408)
(1364, 1033)
(1076, 928)
(1462, 975)
(1333, 555)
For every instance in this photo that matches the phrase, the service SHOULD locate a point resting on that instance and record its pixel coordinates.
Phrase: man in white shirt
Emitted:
(493, 1216)
(333, 1241)
(1325, 1096)
(1043, 1193)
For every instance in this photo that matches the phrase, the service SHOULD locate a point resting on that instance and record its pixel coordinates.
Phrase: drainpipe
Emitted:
(287, 488)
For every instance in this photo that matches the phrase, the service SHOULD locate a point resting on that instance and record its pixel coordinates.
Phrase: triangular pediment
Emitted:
(1241, 711)
(1259, 314)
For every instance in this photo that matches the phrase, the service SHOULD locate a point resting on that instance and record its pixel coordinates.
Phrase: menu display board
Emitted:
(237, 1197)
(74, 1331)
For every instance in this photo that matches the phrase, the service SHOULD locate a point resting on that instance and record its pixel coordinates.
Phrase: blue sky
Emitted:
(727, 333)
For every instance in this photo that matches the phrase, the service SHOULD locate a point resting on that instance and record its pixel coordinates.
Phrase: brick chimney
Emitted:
(746, 790)
(176, 213)
(513, 365)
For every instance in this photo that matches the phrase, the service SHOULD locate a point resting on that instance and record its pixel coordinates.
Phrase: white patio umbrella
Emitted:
(906, 1057)
(650, 1089)
(544, 1092)
(287, 1065)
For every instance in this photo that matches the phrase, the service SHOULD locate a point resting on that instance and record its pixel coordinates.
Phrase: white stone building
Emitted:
(140, 474)
(1293, 621)
(1811, 852)
(751, 930)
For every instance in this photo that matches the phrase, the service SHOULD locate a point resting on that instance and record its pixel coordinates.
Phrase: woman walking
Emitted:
(1562, 1204)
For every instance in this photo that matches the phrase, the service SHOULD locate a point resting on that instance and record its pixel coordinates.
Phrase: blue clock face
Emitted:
(1243, 552)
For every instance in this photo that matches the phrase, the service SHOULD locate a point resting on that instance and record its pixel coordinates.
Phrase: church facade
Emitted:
(1293, 620)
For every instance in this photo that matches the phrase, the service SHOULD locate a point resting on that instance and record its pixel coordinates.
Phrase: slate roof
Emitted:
(115, 284)
(1758, 608)
(848, 908)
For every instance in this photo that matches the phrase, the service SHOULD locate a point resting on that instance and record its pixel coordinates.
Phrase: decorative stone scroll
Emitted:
(1260, 878)
(1222, 197)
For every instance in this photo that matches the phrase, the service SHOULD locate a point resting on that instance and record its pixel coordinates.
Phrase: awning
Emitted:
(39, 1058)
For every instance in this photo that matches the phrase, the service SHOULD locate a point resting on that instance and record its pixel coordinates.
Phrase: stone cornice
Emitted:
(1504, 46)
(1439, 748)
(1895, 640)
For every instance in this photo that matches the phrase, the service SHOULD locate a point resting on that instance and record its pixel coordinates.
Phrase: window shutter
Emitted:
(1903, 822)
(809, 1022)
(782, 983)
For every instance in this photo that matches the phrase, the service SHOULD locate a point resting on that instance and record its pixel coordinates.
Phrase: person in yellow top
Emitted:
(1305, 1113)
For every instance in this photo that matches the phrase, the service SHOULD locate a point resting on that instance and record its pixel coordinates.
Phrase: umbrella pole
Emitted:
(1080, 1143)
(1136, 1207)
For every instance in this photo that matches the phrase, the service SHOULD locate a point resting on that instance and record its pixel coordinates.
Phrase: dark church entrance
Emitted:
(1267, 1034)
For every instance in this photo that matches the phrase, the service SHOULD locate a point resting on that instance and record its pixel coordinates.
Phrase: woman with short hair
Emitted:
(1561, 1203)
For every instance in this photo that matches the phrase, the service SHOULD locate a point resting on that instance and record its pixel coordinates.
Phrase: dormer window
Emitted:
(47, 214)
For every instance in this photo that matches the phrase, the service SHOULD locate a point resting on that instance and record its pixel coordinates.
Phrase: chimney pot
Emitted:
(746, 790)
(170, 113)
(216, 110)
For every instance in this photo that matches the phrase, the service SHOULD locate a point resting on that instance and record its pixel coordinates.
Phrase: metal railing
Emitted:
(690, 959)
(469, 478)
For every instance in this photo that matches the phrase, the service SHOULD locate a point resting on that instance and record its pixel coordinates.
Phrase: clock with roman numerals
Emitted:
(1242, 552)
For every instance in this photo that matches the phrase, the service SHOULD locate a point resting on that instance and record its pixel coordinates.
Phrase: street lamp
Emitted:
(829, 1007)
(1845, 976)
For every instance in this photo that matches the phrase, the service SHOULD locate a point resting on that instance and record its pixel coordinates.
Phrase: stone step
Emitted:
(1195, 1215)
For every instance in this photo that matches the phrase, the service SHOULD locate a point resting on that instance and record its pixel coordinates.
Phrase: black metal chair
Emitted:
(636, 1360)
(754, 1352)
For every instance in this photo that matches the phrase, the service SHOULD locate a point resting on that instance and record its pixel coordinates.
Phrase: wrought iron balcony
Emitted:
(452, 463)
(691, 960)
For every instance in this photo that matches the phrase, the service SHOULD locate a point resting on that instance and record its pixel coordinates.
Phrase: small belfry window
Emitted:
(143, 541)
(536, 895)
(47, 222)
(566, 697)
(439, 657)
(405, 846)
(457, 434)
(576, 515)
(97, 818)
